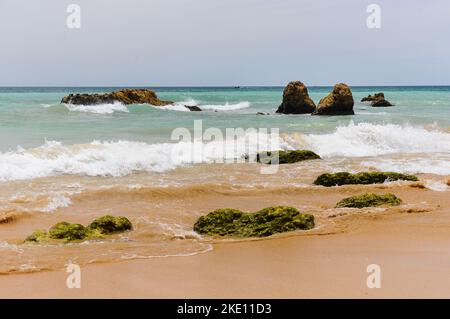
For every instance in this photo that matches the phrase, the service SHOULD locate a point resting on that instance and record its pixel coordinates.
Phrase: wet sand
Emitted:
(410, 243)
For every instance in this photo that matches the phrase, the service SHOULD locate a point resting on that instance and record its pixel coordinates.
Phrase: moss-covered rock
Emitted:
(369, 200)
(37, 236)
(344, 178)
(109, 224)
(68, 231)
(286, 157)
(263, 223)
(71, 232)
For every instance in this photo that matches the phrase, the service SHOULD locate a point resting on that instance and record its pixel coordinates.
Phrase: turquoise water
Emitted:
(40, 137)
(30, 116)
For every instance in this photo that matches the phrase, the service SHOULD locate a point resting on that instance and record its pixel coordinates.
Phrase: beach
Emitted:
(75, 163)
(409, 244)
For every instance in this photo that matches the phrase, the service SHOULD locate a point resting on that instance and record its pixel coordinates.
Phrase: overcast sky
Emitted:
(223, 42)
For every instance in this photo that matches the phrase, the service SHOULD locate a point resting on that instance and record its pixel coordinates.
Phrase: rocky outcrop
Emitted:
(377, 99)
(126, 96)
(345, 178)
(338, 102)
(263, 223)
(296, 99)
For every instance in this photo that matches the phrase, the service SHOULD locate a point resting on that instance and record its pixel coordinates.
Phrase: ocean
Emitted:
(77, 162)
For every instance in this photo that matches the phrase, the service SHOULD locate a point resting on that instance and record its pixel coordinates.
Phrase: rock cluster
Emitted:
(377, 99)
(68, 232)
(296, 100)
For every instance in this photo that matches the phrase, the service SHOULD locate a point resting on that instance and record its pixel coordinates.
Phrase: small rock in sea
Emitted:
(296, 99)
(345, 178)
(263, 223)
(193, 108)
(369, 200)
(377, 99)
(126, 96)
(109, 224)
(338, 102)
(285, 157)
(262, 113)
(71, 232)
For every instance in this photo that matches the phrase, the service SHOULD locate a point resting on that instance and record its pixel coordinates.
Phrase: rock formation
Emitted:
(125, 96)
(338, 102)
(377, 99)
(296, 99)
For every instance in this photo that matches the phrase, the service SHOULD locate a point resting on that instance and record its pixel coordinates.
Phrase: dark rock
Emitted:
(285, 157)
(369, 200)
(193, 108)
(296, 99)
(265, 222)
(262, 113)
(126, 96)
(338, 102)
(377, 99)
(345, 178)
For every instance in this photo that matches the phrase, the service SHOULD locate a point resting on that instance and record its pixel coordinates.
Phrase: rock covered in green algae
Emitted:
(263, 223)
(71, 232)
(68, 231)
(344, 178)
(369, 200)
(286, 157)
(109, 224)
(37, 236)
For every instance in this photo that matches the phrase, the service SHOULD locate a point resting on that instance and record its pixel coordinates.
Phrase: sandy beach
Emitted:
(409, 242)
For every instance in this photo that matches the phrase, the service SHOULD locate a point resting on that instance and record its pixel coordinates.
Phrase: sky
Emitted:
(224, 43)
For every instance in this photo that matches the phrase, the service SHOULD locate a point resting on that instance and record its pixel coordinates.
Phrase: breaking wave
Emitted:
(98, 109)
(424, 151)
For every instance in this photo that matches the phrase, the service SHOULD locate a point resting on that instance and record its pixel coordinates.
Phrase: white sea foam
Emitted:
(425, 151)
(98, 109)
(226, 107)
(365, 139)
(123, 157)
(437, 186)
(180, 106)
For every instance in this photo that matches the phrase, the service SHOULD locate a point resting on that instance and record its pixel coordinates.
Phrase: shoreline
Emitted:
(411, 249)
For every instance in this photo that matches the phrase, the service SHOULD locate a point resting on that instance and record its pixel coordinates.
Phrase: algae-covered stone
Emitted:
(37, 236)
(369, 200)
(68, 231)
(344, 178)
(109, 224)
(285, 157)
(265, 222)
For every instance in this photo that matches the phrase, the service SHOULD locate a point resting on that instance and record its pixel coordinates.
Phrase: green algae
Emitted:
(263, 223)
(369, 200)
(344, 178)
(285, 157)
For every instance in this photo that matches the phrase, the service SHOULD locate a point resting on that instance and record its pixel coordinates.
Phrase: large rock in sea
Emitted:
(296, 99)
(125, 96)
(338, 102)
(377, 99)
